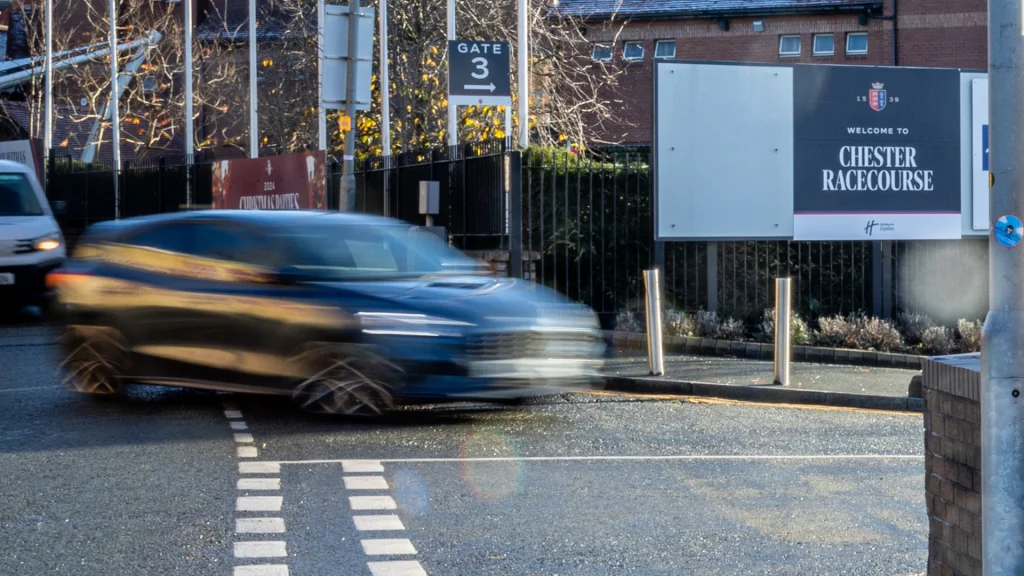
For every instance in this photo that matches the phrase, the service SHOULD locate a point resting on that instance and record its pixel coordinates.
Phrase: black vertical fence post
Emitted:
(515, 214)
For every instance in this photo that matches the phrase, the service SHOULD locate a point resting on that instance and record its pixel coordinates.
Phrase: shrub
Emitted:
(676, 323)
(629, 322)
(970, 334)
(875, 334)
(914, 326)
(708, 324)
(799, 333)
(938, 340)
(836, 331)
(731, 329)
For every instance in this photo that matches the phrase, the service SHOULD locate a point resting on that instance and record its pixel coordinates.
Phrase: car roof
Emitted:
(12, 166)
(267, 218)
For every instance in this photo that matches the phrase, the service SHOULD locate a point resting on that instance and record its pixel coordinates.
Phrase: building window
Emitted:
(789, 46)
(824, 45)
(857, 43)
(602, 53)
(633, 51)
(665, 49)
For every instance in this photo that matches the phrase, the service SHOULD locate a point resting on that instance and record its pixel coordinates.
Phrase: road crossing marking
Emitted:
(397, 568)
(260, 549)
(381, 522)
(259, 525)
(372, 503)
(365, 483)
(388, 547)
(259, 483)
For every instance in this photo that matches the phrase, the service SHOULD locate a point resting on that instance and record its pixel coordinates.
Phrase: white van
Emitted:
(31, 244)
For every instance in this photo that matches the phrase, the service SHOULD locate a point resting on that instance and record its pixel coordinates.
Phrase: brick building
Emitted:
(631, 34)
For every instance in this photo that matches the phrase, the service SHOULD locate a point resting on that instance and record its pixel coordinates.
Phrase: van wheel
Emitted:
(343, 379)
(96, 357)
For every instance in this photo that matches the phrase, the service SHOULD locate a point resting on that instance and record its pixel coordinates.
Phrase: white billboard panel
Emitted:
(335, 57)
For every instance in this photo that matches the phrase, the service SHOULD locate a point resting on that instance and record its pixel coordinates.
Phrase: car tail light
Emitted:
(60, 277)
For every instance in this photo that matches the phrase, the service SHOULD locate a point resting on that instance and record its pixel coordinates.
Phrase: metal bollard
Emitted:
(655, 353)
(782, 324)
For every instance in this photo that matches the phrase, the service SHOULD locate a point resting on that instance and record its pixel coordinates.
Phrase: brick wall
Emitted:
(952, 416)
(931, 33)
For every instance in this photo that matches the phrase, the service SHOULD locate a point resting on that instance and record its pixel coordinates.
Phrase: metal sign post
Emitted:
(1002, 350)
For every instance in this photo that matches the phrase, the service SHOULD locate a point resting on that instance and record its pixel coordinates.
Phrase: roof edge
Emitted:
(732, 12)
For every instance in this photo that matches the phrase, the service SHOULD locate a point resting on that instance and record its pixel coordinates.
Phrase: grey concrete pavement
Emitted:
(578, 484)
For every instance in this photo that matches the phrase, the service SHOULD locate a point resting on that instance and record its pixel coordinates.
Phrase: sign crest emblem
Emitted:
(876, 96)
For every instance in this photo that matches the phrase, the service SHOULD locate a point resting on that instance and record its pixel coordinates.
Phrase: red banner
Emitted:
(291, 182)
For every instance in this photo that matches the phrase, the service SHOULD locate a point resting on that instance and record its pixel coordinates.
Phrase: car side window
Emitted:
(232, 243)
(177, 237)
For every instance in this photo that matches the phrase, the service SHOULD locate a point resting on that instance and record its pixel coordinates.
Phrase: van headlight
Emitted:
(47, 243)
(403, 324)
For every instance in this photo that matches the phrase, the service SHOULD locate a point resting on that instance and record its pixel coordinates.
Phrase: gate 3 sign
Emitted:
(876, 153)
(479, 73)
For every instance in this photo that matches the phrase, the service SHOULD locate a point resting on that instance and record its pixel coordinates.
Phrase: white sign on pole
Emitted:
(335, 57)
(979, 152)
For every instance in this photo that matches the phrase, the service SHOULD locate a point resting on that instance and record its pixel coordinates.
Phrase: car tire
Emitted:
(344, 379)
(96, 358)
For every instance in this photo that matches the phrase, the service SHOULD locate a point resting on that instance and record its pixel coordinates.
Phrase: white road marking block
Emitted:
(262, 570)
(238, 425)
(259, 468)
(247, 452)
(397, 568)
(378, 522)
(259, 525)
(362, 466)
(372, 503)
(244, 438)
(233, 414)
(262, 549)
(258, 503)
(365, 483)
(388, 547)
(259, 483)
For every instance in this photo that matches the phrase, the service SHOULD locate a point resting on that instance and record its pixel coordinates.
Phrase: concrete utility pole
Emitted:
(348, 178)
(48, 99)
(453, 123)
(524, 74)
(254, 118)
(1002, 351)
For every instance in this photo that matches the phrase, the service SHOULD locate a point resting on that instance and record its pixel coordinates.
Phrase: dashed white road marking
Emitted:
(238, 425)
(372, 503)
(262, 570)
(361, 465)
(244, 438)
(247, 452)
(258, 503)
(388, 547)
(378, 522)
(260, 549)
(259, 468)
(397, 568)
(259, 483)
(365, 483)
(233, 414)
(259, 525)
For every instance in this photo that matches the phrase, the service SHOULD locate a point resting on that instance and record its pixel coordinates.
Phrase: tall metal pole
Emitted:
(783, 319)
(254, 122)
(189, 112)
(348, 178)
(385, 82)
(524, 74)
(115, 108)
(321, 111)
(453, 123)
(48, 98)
(655, 351)
(1002, 360)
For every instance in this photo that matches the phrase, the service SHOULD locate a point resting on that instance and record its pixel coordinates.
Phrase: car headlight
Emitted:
(402, 324)
(47, 243)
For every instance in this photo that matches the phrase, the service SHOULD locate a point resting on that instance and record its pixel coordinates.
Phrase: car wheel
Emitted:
(96, 359)
(345, 380)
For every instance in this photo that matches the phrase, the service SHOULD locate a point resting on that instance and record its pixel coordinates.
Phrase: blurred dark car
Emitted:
(344, 313)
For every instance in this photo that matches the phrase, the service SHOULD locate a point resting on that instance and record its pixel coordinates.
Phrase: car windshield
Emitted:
(17, 197)
(345, 252)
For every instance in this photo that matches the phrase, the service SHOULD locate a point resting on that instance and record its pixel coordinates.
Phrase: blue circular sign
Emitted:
(1009, 231)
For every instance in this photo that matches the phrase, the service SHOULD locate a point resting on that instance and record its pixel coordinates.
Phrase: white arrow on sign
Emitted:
(489, 87)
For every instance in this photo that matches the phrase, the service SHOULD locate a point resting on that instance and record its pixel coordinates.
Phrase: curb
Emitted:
(768, 395)
(763, 351)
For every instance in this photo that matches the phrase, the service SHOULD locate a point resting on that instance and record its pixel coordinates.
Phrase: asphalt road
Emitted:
(581, 484)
